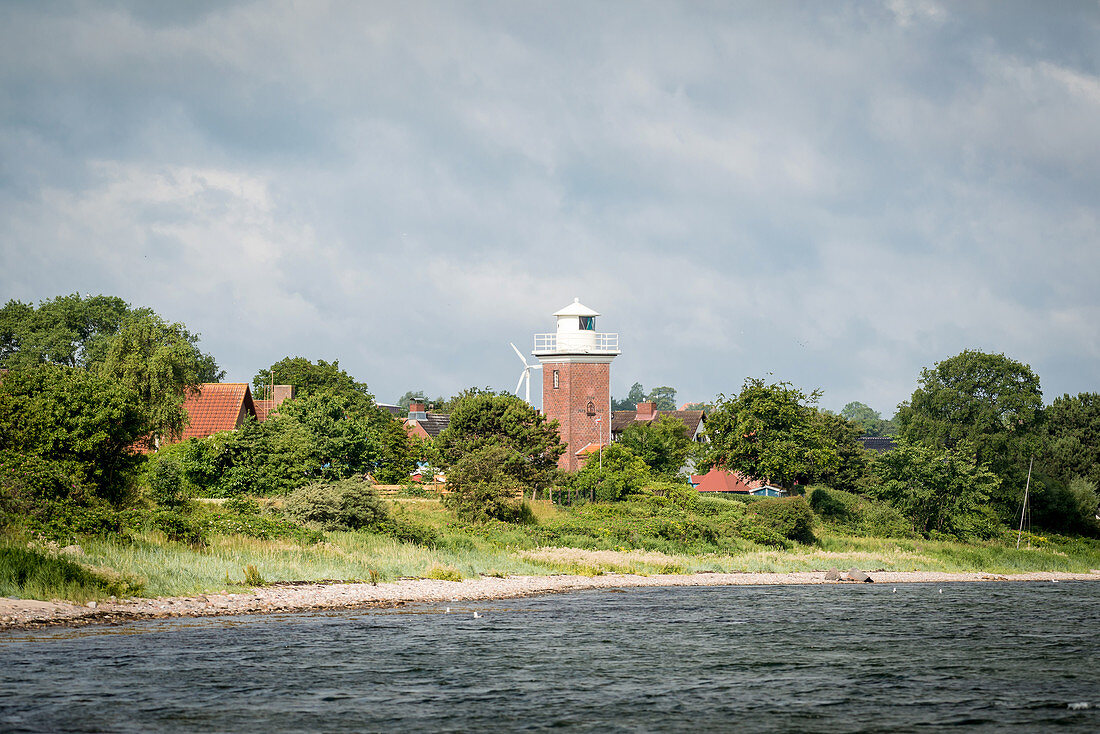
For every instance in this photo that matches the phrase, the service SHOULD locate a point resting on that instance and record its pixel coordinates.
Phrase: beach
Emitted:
(301, 597)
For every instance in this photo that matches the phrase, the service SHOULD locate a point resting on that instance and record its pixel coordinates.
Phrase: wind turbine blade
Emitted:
(519, 354)
(534, 366)
(527, 391)
(518, 384)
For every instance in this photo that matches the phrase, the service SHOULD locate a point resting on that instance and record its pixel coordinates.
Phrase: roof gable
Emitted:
(217, 406)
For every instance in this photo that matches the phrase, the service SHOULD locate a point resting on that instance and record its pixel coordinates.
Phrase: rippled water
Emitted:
(826, 658)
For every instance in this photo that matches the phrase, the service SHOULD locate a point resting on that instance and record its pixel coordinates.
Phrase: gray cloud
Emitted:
(833, 194)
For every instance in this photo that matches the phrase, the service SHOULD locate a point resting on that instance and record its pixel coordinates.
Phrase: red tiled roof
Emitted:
(720, 480)
(621, 419)
(590, 448)
(217, 406)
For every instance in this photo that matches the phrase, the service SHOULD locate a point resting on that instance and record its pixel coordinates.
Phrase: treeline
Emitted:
(966, 438)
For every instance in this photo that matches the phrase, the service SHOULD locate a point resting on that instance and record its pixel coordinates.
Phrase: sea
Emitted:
(840, 658)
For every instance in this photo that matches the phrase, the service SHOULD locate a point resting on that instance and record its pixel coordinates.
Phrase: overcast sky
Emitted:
(834, 194)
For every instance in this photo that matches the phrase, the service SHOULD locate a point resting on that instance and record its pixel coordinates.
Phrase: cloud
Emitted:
(837, 195)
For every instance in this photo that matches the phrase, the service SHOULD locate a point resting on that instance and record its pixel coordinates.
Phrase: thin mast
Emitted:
(1023, 509)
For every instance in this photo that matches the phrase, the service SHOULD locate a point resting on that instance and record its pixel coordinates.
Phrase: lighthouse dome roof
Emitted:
(576, 308)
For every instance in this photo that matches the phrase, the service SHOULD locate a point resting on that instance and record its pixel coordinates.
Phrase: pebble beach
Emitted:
(301, 597)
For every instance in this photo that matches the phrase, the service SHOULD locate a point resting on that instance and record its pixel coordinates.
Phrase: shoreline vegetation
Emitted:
(250, 563)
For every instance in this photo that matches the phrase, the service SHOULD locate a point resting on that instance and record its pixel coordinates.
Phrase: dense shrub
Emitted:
(166, 485)
(179, 527)
(348, 504)
(833, 505)
(480, 489)
(616, 475)
(791, 517)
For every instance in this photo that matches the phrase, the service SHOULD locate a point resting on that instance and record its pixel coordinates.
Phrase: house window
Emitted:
(555, 379)
(591, 408)
(588, 323)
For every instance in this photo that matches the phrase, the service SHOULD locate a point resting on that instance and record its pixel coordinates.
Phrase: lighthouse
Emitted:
(576, 381)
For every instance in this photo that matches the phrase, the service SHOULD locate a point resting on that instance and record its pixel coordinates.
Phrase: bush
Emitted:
(480, 490)
(252, 576)
(833, 505)
(349, 504)
(179, 528)
(166, 485)
(444, 573)
(757, 533)
(791, 517)
(245, 506)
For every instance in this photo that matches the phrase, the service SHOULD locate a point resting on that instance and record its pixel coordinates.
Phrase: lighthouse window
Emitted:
(588, 323)
(555, 379)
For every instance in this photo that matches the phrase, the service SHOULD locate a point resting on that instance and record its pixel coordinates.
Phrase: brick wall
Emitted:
(578, 385)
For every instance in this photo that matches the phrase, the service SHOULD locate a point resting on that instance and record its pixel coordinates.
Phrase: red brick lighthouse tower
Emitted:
(576, 381)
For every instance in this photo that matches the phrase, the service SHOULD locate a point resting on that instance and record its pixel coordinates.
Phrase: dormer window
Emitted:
(588, 323)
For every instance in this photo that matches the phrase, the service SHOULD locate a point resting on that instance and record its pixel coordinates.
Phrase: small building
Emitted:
(423, 424)
(722, 481)
(877, 444)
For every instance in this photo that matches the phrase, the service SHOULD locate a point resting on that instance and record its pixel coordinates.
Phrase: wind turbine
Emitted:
(525, 376)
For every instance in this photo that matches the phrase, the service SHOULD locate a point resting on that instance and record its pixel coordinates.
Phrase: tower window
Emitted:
(588, 323)
(591, 408)
(555, 379)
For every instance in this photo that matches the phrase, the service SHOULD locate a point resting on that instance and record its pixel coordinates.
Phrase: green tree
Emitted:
(939, 490)
(76, 332)
(663, 444)
(769, 432)
(635, 396)
(614, 476)
(482, 488)
(504, 420)
(309, 378)
(158, 362)
(851, 472)
(989, 402)
(663, 398)
(1072, 438)
(76, 418)
(869, 420)
(441, 405)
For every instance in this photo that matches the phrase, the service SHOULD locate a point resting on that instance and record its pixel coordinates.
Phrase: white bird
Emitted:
(524, 376)
(941, 591)
(477, 616)
(895, 590)
(448, 611)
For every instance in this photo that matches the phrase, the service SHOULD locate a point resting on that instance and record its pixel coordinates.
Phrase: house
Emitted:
(877, 444)
(694, 420)
(423, 424)
(223, 406)
(722, 481)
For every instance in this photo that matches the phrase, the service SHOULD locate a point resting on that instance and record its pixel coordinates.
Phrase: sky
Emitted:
(832, 194)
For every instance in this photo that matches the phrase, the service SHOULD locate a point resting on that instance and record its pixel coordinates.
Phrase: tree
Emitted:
(615, 475)
(481, 487)
(440, 405)
(1071, 446)
(769, 432)
(988, 402)
(75, 332)
(869, 420)
(939, 490)
(635, 396)
(309, 378)
(852, 469)
(77, 418)
(504, 420)
(663, 398)
(662, 444)
(158, 362)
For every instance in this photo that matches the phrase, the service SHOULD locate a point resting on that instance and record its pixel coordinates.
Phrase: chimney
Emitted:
(416, 411)
(283, 392)
(645, 412)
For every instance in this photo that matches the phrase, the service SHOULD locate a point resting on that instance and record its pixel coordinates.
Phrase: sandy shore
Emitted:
(21, 613)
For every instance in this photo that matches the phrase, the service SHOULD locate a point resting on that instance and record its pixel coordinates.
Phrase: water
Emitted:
(987, 657)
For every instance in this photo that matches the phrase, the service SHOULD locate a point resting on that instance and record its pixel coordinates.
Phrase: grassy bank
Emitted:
(643, 537)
